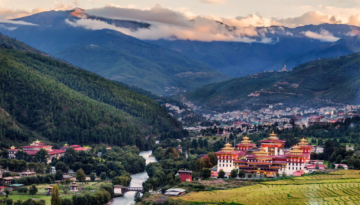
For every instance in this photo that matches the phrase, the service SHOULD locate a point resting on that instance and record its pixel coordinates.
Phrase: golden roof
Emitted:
(295, 149)
(303, 142)
(37, 141)
(261, 152)
(273, 136)
(65, 145)
(12, 147)
(245, 140)
(228, 148)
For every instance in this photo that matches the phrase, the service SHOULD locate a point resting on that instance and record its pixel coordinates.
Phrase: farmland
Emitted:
(340, 187)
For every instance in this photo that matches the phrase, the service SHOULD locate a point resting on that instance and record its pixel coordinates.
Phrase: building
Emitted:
(270, 158)
(185, 176)
(27, 174)
(226, 158)
(245, 144)
(342, 165)
(77, 148)
(273, 145)
(175, 192)
(35, 147)
(73, 187)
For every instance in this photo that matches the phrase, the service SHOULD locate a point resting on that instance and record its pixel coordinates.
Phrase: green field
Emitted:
(341, 187)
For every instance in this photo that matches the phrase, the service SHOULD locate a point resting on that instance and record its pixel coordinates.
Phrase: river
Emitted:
(136, 181)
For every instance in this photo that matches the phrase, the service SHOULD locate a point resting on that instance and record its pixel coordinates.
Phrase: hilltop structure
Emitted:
(36, 146)
(270, 158)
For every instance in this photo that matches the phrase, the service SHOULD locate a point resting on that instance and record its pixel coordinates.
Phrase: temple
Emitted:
(36, 146)
(270, 158)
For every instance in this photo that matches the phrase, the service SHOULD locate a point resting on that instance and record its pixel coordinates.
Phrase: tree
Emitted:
(62, 167)
(66, 202)
(206, 173)
(221, 174)
(80, 175)
(194, 144)
(234, 173)
(249, 176)
(76, 166)
(9, 201)
(41, 156)
(92, 177)
(277, 174)
(338, 158)
(207, 162)
(70, 156)
(121, 180)
(55, 197)
(67, 181)
(7, 192)
(4, 154)
(283, 174)
(33, 190)
(137, 197)
(103, 176)
(213, 158)
(242, 174)
(328, 149)
(58, 175)
(199, 164)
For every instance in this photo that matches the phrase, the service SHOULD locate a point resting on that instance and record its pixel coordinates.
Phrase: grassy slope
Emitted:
(313, 83)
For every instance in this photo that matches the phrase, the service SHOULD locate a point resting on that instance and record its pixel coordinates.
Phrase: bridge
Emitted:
(121, 190)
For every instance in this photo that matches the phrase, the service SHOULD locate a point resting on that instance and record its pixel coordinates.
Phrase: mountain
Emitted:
(317, 83)
(50, 99)
(288, 46)
(113, 54)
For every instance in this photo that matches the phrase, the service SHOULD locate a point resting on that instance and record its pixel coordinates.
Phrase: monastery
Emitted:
(270, 158)
(36, 146)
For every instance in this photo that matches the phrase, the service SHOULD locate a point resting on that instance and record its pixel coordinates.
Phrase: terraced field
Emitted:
(341, 187)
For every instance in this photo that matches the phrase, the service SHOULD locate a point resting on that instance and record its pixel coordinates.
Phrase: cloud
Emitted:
(324, 35)
(213, 1)
(200, 33)
(313, 17)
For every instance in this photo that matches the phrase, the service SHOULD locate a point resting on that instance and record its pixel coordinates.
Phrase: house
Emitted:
(15, 187)
(185, 176)
(2, 188)
(73, 187)
(175, 192)
(179, 148)
(77, 148)
(7, 180)
(27, 174)
(319, 150)
(118, 190)
(49, 188)
(313, 168)
(299, 173)
(343, 165)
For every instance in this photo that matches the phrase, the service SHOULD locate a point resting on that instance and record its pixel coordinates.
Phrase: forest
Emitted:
(46, 98)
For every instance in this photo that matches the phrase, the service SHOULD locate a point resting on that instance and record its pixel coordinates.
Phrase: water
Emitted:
(136, 181)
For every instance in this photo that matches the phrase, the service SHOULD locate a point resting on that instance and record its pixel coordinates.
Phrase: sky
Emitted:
(224, 8)
(197, 19)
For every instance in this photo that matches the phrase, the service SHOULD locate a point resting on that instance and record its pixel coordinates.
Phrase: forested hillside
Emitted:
(62, 103)
(315, 83)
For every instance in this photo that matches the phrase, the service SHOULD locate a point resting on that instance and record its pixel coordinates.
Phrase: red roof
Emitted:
(232, 153)
(240, 161)
(321, 166)
(56, 151)
(269, 140)
(246, 145)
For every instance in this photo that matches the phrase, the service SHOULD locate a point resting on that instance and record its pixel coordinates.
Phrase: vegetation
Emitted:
(55, 197)
(336, 187)
(67, 104)
(317, 83)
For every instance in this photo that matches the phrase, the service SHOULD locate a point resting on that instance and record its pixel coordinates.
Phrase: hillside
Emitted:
(52, 100)
(289, 46)
(315, 83)
(113, 54)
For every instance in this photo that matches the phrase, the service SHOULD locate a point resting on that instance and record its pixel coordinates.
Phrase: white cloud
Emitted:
(201, 33)
(213, 1)
(324, 35)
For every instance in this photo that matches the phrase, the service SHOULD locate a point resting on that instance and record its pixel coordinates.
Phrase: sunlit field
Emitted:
(341, 187)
